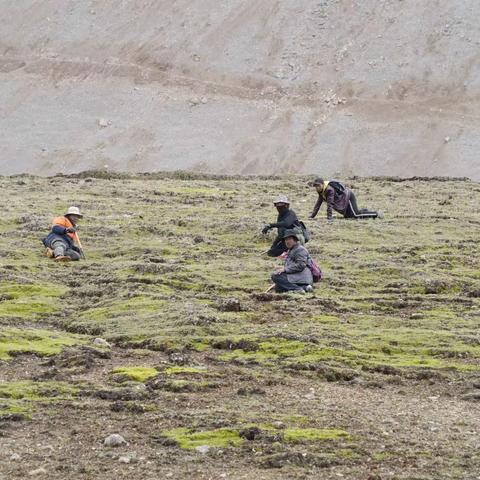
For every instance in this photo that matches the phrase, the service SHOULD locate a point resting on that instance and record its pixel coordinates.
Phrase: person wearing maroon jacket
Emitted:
(341, 199)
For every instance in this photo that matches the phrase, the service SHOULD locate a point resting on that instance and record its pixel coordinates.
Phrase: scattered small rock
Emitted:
(37, 471)
(15, 457)
(178, 358)
(114, 440)
(102, 343)
(124, 459)
(250, 433)
(124, 394)
(310, 396)
(198, 239)
(471, 397)
(202, 449)
(435, 286)
(245, 391)
(230, 305)
(300, 459)
(102, 122)
(475, 293)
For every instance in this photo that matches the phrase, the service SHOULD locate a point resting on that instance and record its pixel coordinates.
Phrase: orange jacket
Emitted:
(66, 223)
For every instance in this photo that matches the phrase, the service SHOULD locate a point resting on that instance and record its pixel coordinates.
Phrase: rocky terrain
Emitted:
(160, 357)
(371, 87)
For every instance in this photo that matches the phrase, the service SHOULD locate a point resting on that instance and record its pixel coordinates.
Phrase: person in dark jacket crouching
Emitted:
(287, 219)
(341, 199)
(60, 242)
(295, 275)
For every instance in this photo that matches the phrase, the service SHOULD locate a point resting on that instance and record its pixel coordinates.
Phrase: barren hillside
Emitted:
(240, 86)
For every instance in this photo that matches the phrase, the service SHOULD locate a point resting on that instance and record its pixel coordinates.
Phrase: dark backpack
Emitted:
(305, 231)
(339, 187)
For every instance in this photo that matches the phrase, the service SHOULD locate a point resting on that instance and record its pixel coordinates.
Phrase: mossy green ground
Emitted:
(15, 341)
(215, 438)
(29, 301)
(166, 254)
(138, 374)
(20, 398)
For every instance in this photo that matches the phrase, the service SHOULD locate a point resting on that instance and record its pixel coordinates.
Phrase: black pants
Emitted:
(353, 211)
(277, 248)
(283, 285)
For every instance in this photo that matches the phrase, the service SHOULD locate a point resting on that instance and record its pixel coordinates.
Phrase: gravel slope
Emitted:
(335, 87)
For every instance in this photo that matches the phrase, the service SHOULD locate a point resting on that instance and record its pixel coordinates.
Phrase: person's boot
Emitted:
(49, 253)
(63, 258)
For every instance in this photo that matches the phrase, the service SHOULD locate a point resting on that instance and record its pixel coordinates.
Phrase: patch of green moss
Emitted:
(30, 390)
(365, 345)
(188, 439)
(199, 346)
(14, 409)
(177, 370)
(295, 419)
(27, 301)
(137, 374)
(40, 342)
(137, 306)
(19, 398)
(18, 291)
(301, 435)
(347, 453)
(382, 456)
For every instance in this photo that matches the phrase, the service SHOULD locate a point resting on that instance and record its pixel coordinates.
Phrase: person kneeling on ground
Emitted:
(60, 242)
(287, 219)
(341, 199)
(295, 275)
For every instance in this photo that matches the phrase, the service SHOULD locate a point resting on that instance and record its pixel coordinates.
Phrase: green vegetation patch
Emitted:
(178, 370)
(305, 435)
(137, 374)
(188, 439)
(27, 301)
(11, 409)
(14, 341)
(363, 347)
(141, 305)
(18, 398)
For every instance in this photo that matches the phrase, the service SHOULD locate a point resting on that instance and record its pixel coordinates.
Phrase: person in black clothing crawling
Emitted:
(287, 220)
